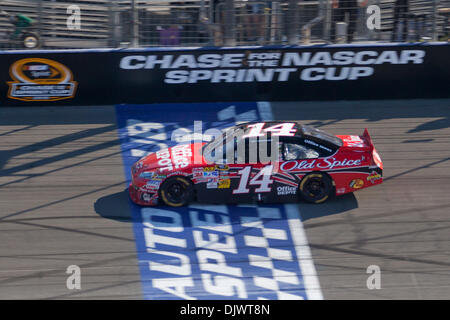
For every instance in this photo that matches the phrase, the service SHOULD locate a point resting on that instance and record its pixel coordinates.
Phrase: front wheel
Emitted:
(176, 191)
(316, 187)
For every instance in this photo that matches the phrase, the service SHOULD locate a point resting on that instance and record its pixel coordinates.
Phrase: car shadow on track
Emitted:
(117, 206)
(335, 205)
(114, 206)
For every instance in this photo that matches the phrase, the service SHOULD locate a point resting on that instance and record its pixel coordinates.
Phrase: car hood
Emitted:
(173, 159)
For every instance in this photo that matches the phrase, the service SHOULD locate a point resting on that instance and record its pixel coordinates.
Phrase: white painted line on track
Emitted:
(305, 260)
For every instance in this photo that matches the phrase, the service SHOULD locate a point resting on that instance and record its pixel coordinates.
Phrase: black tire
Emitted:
(176, 191)
(315, 187)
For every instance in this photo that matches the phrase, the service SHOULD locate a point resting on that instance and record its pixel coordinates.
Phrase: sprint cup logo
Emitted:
(37, 79)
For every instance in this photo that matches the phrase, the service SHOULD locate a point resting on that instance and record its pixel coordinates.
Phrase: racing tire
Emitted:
(315, 187)
(176, 191)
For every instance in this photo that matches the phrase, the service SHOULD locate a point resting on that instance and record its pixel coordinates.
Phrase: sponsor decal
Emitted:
(224, 174)
(222, 167)
(153, 184)
(175, 158)
(224, 184)
(38, 79)
(327, 163)
(178, 173)
(317, 145)
(136, 167)
(146, 197)
(357, 184)
(374, 176)
(286, 190)
(212, 184)
(211, 174)
(206, 174)
(340, 190)
(270, 66)
(197, 173)
(158, 177)
(354, 141)
(146, 175)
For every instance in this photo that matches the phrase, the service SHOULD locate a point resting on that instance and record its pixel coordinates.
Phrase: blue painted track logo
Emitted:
(212, 251)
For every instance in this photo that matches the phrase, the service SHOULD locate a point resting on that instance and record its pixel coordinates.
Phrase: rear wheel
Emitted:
(316, 187)
(176, 191)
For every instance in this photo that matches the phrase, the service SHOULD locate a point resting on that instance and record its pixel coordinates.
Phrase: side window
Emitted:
(245, 150)
(236, 151)
(294, 151)
(252, 149)
(256, 150)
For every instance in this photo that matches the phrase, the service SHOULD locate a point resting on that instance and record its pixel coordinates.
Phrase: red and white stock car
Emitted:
(310, 164)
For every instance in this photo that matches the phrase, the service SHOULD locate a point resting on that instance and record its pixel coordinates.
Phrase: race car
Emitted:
(276, 161)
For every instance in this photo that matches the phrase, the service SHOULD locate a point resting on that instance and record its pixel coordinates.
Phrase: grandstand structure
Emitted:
(123, 23)
(50, 18)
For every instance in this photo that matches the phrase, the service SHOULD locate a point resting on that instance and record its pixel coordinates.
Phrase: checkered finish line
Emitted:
(267, 261)
(212, 251)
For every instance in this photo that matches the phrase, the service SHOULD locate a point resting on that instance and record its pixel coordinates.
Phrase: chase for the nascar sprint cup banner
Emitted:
(84, 77)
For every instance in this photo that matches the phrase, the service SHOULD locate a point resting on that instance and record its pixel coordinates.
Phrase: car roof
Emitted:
(302, 131)
(298, 126)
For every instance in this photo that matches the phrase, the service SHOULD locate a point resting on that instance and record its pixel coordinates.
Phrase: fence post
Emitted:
(327, 19)
(435, 10)
(230, 24)
(39, 21)
(135, 25)
(212, 21)
(52, 19)
(112, 41)
(377, 31)
(292, 22)
(275, 23)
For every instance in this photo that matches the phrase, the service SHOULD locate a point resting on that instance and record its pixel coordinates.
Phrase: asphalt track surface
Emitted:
(59, 165)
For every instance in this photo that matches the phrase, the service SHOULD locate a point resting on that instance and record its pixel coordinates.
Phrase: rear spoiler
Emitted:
(367, 139)
(375, 156)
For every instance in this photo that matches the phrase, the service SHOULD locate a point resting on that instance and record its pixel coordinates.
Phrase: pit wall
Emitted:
(333, 72)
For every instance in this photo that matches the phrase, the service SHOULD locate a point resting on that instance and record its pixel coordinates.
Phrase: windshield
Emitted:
(234, 147)
(322, 135)
(219, 139)
(210, 148)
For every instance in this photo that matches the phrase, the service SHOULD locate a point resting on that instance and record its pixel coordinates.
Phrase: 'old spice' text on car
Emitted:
(276, 161)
